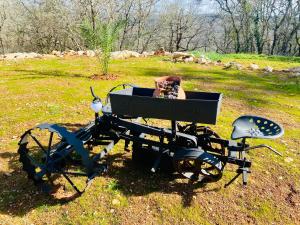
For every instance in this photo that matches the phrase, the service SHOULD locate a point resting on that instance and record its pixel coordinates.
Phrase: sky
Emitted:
(208, 6)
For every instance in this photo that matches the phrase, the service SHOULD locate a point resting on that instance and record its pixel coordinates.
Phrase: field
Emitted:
(57, 91)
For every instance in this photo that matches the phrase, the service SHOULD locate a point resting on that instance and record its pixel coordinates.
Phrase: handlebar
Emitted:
(125, 85)
(263, 146)
(93, 93)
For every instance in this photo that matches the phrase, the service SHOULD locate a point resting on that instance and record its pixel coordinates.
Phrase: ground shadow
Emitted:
(38, 74)
(134, 179)
(19, 195)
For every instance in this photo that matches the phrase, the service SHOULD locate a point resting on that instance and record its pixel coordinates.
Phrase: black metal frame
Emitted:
(109, 128)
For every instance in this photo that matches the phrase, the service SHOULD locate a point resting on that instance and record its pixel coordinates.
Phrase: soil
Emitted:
(104, 77)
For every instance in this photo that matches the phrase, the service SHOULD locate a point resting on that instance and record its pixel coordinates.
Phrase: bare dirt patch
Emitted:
(104, 77)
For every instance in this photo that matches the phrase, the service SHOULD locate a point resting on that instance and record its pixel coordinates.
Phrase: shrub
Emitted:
(101, 36)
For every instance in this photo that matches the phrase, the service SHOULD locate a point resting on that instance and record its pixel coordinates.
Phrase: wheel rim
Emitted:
(197, 165)
(36, 148)
(189, 168)
(204, 134)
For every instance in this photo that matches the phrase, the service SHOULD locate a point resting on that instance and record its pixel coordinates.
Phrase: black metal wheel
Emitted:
(197, 165)
(47, 152)
(205, 136)
(37, 156)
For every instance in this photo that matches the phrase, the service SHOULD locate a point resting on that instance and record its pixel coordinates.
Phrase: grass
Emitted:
(277, 58)
(57, 91)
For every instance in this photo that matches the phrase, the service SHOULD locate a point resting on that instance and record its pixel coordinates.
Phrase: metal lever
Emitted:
(94, 95)
(264, 146)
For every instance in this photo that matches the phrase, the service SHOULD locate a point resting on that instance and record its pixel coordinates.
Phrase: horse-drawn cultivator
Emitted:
(195, 151)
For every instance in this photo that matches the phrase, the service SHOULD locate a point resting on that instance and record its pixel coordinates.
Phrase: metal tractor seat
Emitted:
(255, 127)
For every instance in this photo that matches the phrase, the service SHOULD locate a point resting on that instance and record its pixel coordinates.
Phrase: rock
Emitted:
(294, 75)
(11, 56)
(160, 52)
(233, 65)
(144, 54)
(80, 53)
(288, 159)
(90, 53)
(188, 59)
(57, 53)
(125, 54)
(48, 56)
(134, 54)
(294, 69)
(218, 63)
(117, 55)
(70, 53)
(180, 56)
(34, 55)
(202, 60)
(253, 66)
(116, 202)
(19, 55)
(293, 72)
(268, 69)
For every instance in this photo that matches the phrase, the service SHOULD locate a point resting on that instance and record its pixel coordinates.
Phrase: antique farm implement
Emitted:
(190, 149)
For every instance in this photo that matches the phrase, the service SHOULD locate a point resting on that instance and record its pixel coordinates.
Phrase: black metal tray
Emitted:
(198, 107)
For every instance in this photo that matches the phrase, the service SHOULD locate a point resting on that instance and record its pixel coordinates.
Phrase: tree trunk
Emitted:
(93, 15)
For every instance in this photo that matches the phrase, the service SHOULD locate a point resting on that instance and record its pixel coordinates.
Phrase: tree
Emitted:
(3, 17)
(103, 36)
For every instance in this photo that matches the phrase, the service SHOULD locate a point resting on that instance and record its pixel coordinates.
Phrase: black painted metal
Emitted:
(198, 107)
(182, 148)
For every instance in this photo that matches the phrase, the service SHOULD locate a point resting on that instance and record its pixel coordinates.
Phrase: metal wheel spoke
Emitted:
(38, 143)
(49, 146)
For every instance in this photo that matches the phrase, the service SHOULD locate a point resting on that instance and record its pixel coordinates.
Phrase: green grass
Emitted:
(277, 58)
(57, 91)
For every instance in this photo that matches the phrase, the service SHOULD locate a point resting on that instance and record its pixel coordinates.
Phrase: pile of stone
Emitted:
(19, 55)
(125, 54)
(204, 60)
(147, 54)
(70, 53)
(162, 52)
(253, 66)
(183, 57)
(268, 69)
(233, 65)
(190, 58)
(88, 53)
(293, 72)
